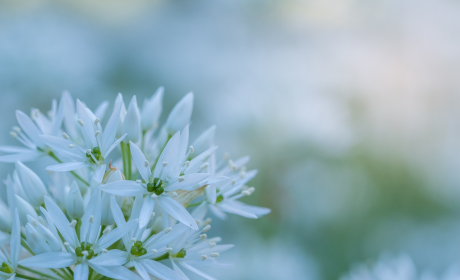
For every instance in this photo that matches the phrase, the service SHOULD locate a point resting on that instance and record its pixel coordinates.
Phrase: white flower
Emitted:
(180, 115)
(79, 251)
(29, 131)
(98, 143)
(132, 122)
(74, 202)
(160, 185)
(197, 250)
(222, 197)
(9, 261)
(139, 251)
(33, 187)
(151, 110)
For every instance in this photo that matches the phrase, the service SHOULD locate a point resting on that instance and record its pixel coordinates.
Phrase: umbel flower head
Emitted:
(125, 199)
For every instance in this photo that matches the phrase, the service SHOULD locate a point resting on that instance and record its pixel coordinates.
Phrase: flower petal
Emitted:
(67, 166)
(50, 260)
(115, 272)
(140, 161)
(81, 272)
(113, 236)
(177, 211)
(111, 258)
(146, 211)
(110, 130)
(124, 188)
(61, 222)
(160, 270)
(189, 181)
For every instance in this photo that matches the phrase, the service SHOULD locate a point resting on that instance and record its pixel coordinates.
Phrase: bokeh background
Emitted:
(350, 109)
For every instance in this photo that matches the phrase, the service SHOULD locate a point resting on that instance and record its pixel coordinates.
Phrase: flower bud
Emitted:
(5, 218)
(151, 110)
(33, 187)
(40, 238)
(180, 114)
(122, 115)
(74, 202)
(204, 141)
(131, 123)
(24, 209)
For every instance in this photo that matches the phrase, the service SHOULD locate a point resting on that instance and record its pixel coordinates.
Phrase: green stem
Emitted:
(70, 271)
(51, 154)
(37, 272)
(61, 273)
(25, 276)
(126, 152)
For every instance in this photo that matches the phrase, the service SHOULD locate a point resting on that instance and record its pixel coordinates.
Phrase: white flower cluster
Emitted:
(91, 220)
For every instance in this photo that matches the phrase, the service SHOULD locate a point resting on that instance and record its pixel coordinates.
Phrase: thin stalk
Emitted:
(51, 154)
(37, 272)
(126, 152)
(70, 271)
(25, 276)
(143, 140)
(63, 275)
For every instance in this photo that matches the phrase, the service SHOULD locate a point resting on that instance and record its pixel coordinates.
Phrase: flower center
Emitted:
(6, 268)
(96, 153)
(219, 198)
(156, 186)
(84, 249)
(181, 254)
(137, 249)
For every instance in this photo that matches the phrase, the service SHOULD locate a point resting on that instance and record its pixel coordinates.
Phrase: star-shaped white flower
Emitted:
(78, 251)
(159, 186)
(98, 143)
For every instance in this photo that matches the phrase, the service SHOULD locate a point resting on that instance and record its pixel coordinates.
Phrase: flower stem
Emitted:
(126, 152)
(38, 272)
(25, 276)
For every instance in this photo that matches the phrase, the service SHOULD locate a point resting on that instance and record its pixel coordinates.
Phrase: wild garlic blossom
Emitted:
(125, 198)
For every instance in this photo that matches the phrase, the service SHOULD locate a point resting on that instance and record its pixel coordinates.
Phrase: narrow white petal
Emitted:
(205, 140)
(180, 114)
(160, 270)
(132, 122)
(61, 222)
(113, 236)
(139, 160)
(141, 270)
(196, 271)
(189, 181)
(256, 210)
(99, 173)
(13, 149)
(67, 166)
(91, 220)
(196, 162)
(110, 130)
(111, 258)
(115, 272)
(50, 260)
(61, 146)
(114, 145)
(101, 109)
(168, 155)
(177, 211)
(81, 272)
(29, 128)
(124, 188)
(235, 209)
(151, 110)
(146, 211)
(24, 157)
(15, 240)
(87, 129)
(219, 213)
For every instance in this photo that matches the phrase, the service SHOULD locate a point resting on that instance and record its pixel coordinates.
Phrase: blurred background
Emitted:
(350, 110)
